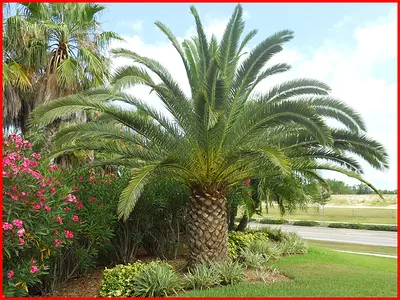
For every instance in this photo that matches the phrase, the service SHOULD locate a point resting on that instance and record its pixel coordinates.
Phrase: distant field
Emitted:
(364, 200)
(373, 215)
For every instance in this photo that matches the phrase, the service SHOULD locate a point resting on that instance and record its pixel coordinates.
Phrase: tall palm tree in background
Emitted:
(219, 135)
(50, 50)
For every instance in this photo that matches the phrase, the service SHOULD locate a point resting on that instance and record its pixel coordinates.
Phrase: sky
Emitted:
(351, 47)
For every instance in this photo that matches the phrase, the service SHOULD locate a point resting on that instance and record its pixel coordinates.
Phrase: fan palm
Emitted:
(219, 135)
(50, 50)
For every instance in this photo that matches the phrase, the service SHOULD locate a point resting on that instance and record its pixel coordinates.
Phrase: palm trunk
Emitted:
(232, 216)
(243, 223)
(207, 227)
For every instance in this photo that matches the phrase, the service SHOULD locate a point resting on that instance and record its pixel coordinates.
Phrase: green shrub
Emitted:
(266, 248)
(381, 227)
(274, 234)
(201, 276)
(157, 279)
(252, 259)
(229, 272)
(292, 244)
(363, 226)
(241, 239)
(118, 281)
(305, 223)
(273, 221)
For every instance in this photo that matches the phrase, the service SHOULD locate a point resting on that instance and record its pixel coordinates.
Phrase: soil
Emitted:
(88, 285)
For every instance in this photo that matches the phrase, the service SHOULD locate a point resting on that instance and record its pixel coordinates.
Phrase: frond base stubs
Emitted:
(207, 227)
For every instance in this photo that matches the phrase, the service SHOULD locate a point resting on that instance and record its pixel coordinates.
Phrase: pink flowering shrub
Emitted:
(34, 200)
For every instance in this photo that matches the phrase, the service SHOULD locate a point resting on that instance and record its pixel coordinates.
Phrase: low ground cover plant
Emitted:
(306, 223)
(363, 226)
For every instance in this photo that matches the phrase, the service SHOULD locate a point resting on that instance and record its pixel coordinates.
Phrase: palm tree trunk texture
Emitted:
(207, 227)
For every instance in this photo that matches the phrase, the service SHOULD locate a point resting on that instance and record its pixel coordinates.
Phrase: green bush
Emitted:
(381, 227)
(345, 225)
(363, 226)
(267, 248)
(241, 239)
(252, 259)
(273, 221)
(306, 223)
(118, 281)
(274, 234)
(229, 272)
(292, 244)
(157, 279)
(201, 276)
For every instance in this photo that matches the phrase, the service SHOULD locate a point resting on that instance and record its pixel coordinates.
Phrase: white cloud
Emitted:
(350, 71)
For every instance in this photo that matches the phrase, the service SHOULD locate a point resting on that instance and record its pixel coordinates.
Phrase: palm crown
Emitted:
(222, 133)
(51, 50)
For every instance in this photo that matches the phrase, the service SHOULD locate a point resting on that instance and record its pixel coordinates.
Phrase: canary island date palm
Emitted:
(50, 50)
(220, 134)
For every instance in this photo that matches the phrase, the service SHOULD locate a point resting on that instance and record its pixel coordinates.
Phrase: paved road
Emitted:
(366, 237)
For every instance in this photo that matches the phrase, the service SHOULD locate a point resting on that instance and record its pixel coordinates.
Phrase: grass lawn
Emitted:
(338, 214)
(354, 247)
(322, 273)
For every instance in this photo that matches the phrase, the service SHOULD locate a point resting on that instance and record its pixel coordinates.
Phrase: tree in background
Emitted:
(50, 50)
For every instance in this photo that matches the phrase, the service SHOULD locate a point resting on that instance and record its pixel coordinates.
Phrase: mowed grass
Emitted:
(354, 247)
(371, 215)
(320, 273)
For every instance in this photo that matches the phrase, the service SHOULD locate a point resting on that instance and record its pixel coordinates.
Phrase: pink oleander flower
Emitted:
(33, 261)
(59, 220)
(71, 198)
(75, 218)
(7, 226)
(36, 156)
(55, 231)
(18, 223)
(81, 178)
(14, 197)
(53, 168)
(6, 143)
(80, 205)
(47, 208)
(40, 193)
(21, 232)
(44, 268)
(93, 198)
(6, 174)
(36, 175)
(68, 234)
(53, 190)
(14, 188)
(10, 274)
(36, 207)
(26, 143)
(34, 269)
(58, 242)
(21, 241)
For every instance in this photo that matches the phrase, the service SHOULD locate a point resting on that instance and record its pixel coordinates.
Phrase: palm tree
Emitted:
(50, 50)
(218, 136)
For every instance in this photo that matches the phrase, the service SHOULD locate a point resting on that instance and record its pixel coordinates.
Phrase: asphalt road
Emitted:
(366, 237)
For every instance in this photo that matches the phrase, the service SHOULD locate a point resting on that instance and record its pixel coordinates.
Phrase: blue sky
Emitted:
(352, 47)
